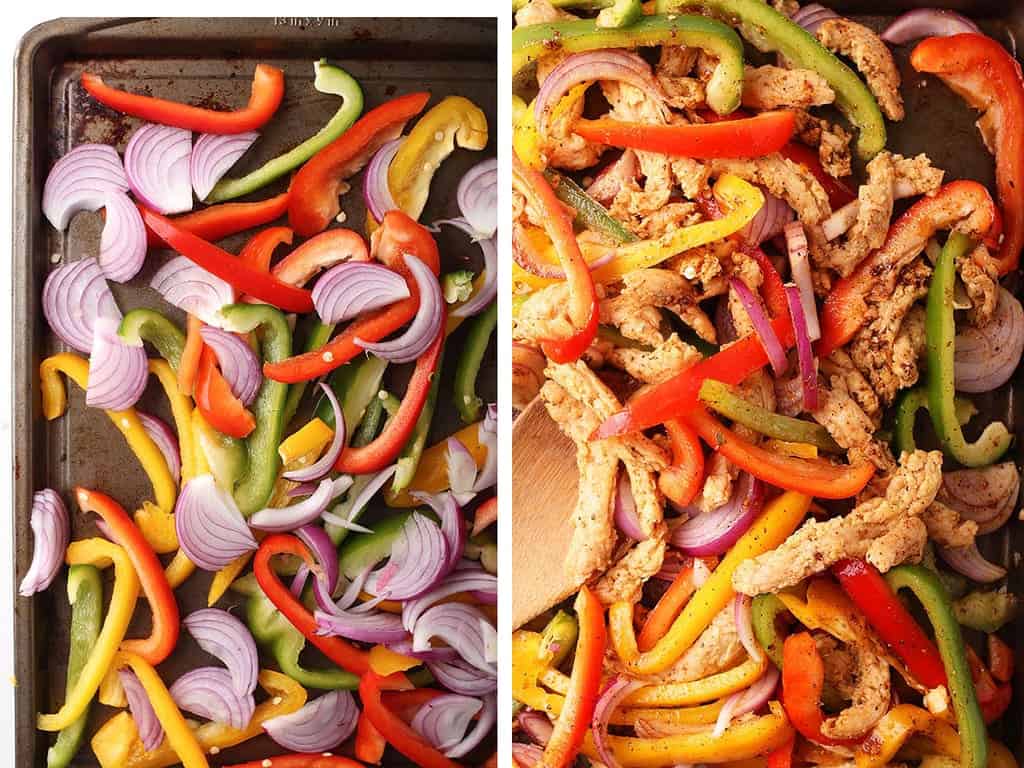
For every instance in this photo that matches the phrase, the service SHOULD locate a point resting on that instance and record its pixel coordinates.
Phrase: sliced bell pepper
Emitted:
(590, 214)
(190, 354)
(392, 728)
(179, 569)
(127, 421)
(259, 249)
(217, 402)
(141, 325)
(398, 235)
(764, 612)
(682, 480)
(267, 92)
(117, 744)
(431, 474)
(717, 686)
(181, 410)
(474, 345)
(803, 678)
(314, 189)
(455, 120)
(411, 453)
(988, 78)
(386, 662)
(667, 608)
(1000, 659)
(896, 727)
(324, 760)
(780, 518)
(164, 634)
(782, 756)
(320, 251)
(102, 554)
(583, 305)
(215, 222)
(328, 79)
(343, 654)
(838, 191)
(370, 744)
(310, 440)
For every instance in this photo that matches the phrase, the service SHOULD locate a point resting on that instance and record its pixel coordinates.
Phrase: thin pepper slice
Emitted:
(803, 678)
(474, 345)
(164, 635)
(102, 554)
(327, 79)
(188, 367)
(590, 214)
(764, 612)
(215, 222)
(267, 92)
(259, 249)
(893, 730)
(215, 400)
(667, 608)
(314, 189)
(682, 480)
(706, 689)
(411, 453)
(141, 325)
(296, 760)
(907, 406)
(322, 250)
(370, 744)
(431, 474)
(988, 78)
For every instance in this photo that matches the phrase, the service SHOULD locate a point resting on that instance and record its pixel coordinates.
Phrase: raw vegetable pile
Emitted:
(721, 297)
(283, 436)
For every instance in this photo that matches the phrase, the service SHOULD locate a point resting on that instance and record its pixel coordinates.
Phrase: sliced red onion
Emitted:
(156, 161)
(363, 626)
(238, 363)
(626, 519)
(453, 526)
(188, 286)
(320, 544)
(123, 241)
(714, 532)
(746, 701)
(927, 22)
(536, 725)
(81, 181)
(812, 16)
(805, 355)
(118, 371)
(209, 692)
(769, 221)
(484, 723)
(424, 328)
(354, 287)
(280, 519)
(969, 562)
(469, 580)
(417, 562)
(464, 628)
(74, 297)
(162, 434)
(51, 532)
(222, 635)
(485, 294)
(477, 196)
(741, 606)
(762, 325)
(986, 495)
(461, 471)
(343, 515)
(487, 434)
(213, 155)
(324, 464)
(615, 691)
(319, 726)
(526, 755)
(986, 357)
(456, 675)
(151, 733)
(800, 268)
(376, 192)
(210, 528)
(443, 721)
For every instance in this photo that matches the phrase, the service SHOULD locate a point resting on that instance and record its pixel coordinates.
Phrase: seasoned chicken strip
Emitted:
(849, 425)
(625, 579)
(870, 697)
(645, 288)
(717, 649)
(655, 366)
(947, 527)
(783, 178)
(873, 216)
(980, 275)
(771, 87)
(872, 57)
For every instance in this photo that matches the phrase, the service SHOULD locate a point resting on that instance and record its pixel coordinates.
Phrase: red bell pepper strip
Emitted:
(217, 403)
(803, 677)
(814, 477)
(242, 277)
(188, 367)
(326, 249)
(215, 222)
(682, 480)
(314, 189)
(664, 613)
(259, 250)
(583, 306)
(751, 137)
(993, 698)
(407, 703)
(166, 619)
(838, 191)
(846, 307)
(996, 707)
(267, 92)
(318, 760)
(584, 684)
(398, 234)
(382, 450)
(339, 651)
(370, 745)
(893, 623)
(395, 731)
(988, 78)
(1000, 659)
(782, 757)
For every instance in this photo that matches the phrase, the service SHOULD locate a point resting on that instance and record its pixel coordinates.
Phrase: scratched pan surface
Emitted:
(208, 61)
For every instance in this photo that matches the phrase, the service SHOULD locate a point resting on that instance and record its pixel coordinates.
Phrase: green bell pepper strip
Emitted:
(559, 637)
(85, 593)
(319, 334)
(256, 484)
(764, 611)
(590, 214)
(484, 547)
(474, 346)
(935, 601)
(583, 5)
(330, 80)
(986, 610)
(622, 13)
(141, 325)
(371, 423)
(724, 399)
(457, 286)
(910, 402)
(940, 332)
(355, 384)
(725, 87)
(768, 30)
(412, 451)
(226, 456)
(275, 633)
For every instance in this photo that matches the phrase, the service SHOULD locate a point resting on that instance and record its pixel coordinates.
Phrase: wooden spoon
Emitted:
(543, 500)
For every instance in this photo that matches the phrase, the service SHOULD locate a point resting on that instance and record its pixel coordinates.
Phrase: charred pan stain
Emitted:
(361, 33)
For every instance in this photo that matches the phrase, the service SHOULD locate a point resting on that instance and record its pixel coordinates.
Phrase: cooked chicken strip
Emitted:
(625, 579)
(947, 527)
(870, 698)
(771, 87)
(871, 56)
(655, 366)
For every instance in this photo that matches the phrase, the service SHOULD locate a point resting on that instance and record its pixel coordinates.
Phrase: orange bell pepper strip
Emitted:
(217, 403)
(267, 92)
(242, 277)
(814, 477)
(782, 757)
(682, 480)
(398, 234)
(215, 222)
(166, 618)
(988, 78)
(370, 744)
(750, 137)
(314, 189)
(803, 678)
(188, 367)
(259, 249)
(668, 607)
(583, 306)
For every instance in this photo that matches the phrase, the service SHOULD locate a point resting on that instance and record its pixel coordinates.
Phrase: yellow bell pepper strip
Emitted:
(157, 526)
(779, 519)
(179, 569)
(177, 735)
(741, 741)
(117, 744)
(181, 410)
(223, 578)
(111, 691)
(899, 724)
(127, 421)
(308, 441)
(101, 553)
(705, 714)
(457, 120)
(739, 199)
(699, 691)
(525, 139)
(383, 661)
(432, 472)
(529, 660)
